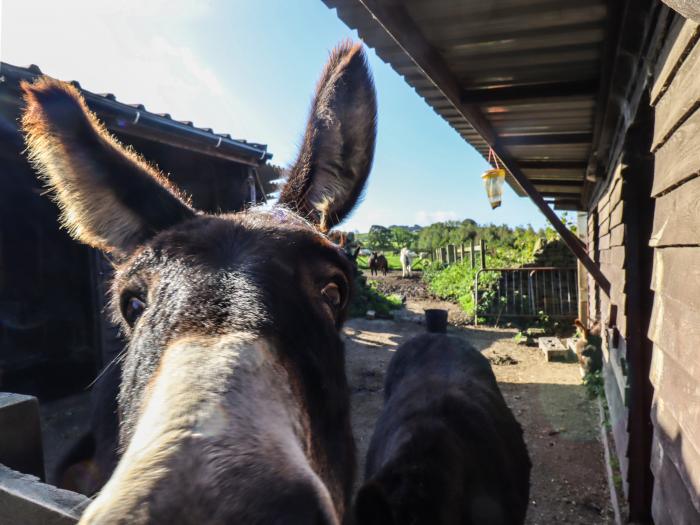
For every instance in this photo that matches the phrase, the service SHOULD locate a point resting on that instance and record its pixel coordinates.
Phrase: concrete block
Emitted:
(20, 434)
(552, 348)
(24, 500)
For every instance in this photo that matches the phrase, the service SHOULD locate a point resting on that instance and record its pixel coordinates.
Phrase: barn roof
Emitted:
(526, 77)
(135, 120)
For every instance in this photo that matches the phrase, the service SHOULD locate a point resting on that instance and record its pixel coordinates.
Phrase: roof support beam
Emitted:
(546, 140)
(530, 92)
(552, 165)
(400, 26)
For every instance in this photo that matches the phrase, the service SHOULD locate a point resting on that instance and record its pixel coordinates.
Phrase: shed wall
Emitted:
(606, 235)
(675, 323)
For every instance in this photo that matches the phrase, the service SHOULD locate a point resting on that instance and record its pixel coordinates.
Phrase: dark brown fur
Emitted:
(378, 263)
(233, 401)
(446, 449)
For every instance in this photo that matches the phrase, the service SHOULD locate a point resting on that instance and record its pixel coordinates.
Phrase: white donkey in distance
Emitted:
(406, 256)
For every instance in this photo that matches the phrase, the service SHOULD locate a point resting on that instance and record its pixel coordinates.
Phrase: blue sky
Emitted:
(249, 69)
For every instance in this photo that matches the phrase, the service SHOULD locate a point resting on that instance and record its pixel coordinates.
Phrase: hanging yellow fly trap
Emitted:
(493, 181)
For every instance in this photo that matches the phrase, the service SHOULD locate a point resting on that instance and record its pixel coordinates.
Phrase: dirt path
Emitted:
(568, 482)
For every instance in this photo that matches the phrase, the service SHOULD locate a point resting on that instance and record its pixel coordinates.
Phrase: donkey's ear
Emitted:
(336, 155)
(109, 197)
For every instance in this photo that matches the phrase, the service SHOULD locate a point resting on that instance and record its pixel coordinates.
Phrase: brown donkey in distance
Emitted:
(233, 404)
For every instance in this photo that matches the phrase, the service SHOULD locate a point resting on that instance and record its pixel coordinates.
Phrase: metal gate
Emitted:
(526, 292)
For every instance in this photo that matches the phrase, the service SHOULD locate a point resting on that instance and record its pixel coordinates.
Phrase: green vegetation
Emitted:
(593, 381)
(367, 297)
(506, 248)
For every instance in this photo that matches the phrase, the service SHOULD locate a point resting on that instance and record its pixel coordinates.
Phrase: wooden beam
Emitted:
(580, 88)
(552, 165)
(399, 25)
(546, 139)
(555, 182)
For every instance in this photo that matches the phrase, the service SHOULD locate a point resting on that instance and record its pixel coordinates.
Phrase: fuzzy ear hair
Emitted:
(330, 173)
(371, 506)
(109, 197)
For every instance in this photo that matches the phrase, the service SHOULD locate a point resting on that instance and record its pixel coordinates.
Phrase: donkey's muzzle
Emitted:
(221, 438)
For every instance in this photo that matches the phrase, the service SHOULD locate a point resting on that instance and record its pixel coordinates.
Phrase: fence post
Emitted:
(461, 253)
(471, 252)
(483, 253)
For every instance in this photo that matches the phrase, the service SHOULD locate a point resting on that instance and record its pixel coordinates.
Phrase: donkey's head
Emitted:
(233, 404)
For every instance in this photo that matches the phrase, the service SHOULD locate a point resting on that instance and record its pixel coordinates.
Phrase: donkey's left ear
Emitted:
(335, 158)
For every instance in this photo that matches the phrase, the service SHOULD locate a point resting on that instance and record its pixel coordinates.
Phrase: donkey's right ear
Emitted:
(109, 197)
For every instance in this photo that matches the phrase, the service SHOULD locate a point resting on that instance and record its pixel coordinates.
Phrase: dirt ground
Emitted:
(568, 483)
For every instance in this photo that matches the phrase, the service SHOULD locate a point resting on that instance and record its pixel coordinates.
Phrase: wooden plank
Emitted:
(671, 502)
(677, 275)
(677, 216)
(680, 98)
(617, 256)
(604, 242)
(604, 227)
(614, 361)
(616, 215)
(676, 329)
(24, 499)
(679, 42)
(616, 276)
(618, 419)
(617, 235)
(677, 447)
(679, 158)
(676, 393)
(616, 192)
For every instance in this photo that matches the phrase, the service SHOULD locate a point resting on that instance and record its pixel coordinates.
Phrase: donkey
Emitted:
(406, 257)
(233, 402)
(378, 263)
(446, 449)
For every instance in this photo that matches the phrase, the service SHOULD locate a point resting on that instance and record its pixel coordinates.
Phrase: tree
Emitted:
(379, 238)
(402, 237)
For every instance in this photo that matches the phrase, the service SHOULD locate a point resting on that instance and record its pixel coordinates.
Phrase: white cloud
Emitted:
(429, 217)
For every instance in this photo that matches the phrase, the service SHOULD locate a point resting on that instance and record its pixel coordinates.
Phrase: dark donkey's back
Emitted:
(446, 448)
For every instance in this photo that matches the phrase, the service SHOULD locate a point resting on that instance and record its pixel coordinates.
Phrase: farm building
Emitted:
(591, 106)
(52, 333)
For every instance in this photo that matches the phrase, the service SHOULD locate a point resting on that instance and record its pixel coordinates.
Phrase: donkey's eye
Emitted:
(331, 292)
(132, 308)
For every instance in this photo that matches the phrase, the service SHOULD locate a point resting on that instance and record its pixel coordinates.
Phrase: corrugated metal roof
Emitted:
(160, 127)
(530, 68)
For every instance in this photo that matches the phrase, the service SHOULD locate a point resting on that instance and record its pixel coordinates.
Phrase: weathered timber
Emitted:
(20, 434)
(676, 328)
(677, 217)
(677, 395)
(680, 99)
(679, 158)
(25, 500)
(679, 42)
(617, 235)
(677, 275)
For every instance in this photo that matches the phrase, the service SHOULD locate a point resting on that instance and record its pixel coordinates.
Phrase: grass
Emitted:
(393, 260)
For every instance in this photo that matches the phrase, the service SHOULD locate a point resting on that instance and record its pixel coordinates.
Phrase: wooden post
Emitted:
(483, 253)
(472, 254)
(461, 253)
